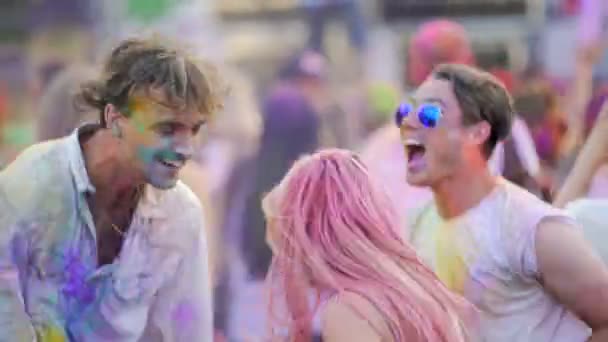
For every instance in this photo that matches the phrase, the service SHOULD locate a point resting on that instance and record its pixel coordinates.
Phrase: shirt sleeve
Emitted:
(15, 323)
(183, 309)
(521, 248)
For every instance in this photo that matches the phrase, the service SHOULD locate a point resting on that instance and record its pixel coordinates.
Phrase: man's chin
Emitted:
(418, 180)
(164, 184)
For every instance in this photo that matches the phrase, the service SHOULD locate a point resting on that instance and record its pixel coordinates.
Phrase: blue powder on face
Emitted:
(168, 155)
(149, 154)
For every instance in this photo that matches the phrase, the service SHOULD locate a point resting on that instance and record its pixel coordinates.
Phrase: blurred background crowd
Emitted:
(306, 74)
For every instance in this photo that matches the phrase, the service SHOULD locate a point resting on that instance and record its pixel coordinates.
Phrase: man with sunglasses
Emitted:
(523, 263)
(435, 42)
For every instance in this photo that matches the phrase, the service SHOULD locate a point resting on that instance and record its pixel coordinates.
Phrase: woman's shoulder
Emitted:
(348, 316)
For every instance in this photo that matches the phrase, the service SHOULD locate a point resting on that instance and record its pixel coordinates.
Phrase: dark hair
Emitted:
(481, 97)
(147, 64)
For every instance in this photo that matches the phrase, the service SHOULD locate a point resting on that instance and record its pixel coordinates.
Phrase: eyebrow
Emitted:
(173, 121)
(434, 100)
(411, 98)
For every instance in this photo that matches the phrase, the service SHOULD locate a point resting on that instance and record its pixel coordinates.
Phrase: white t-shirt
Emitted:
(488, 256)
(592, 214)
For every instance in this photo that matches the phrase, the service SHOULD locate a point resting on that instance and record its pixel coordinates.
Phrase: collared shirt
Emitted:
(157, 289)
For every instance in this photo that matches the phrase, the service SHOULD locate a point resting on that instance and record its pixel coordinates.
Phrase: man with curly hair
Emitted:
(99, 241)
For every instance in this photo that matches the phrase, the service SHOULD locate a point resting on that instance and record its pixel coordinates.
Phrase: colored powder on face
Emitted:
(137, 110)
(140, 127)
(146, 154)
(167, 154)
(149, 154)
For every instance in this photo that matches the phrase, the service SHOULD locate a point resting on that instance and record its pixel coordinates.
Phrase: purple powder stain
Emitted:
(75, 285)
(184, 315)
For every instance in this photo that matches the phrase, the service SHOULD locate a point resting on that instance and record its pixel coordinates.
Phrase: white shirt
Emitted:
(156, 290)
(488, 255)
(592, 214)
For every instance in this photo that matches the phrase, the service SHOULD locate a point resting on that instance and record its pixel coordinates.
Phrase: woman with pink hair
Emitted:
(334, 234)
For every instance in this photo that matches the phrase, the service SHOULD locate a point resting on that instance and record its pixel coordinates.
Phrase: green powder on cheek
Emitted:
(149, 154)
(167, 154)
(146, 154)
(140, 127)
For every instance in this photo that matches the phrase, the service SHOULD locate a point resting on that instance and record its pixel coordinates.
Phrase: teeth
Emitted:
(412, 142)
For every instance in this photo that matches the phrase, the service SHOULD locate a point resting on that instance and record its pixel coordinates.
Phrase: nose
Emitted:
(411, 120)
(409, 124)
(184, 145)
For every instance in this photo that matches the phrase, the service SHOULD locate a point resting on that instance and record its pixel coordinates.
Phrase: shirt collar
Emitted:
(76, 159)
(152, 203)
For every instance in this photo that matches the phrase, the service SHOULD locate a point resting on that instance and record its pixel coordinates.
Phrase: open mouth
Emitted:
(174, 164)
(415, 151)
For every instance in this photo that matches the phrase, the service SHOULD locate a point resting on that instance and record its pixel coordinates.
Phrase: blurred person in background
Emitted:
(335, 237)
(582, 105)
(307, 72)
(290, 128)
(19, 127)
(100, 241)
(59, 114)
(232, 138)
(435, 42)
(4, 115)
(3, 104)
(516, 157)
(47, 72)
(599, 185)
(509, 253)
(592, 213)
(538, 105)
(320, 13)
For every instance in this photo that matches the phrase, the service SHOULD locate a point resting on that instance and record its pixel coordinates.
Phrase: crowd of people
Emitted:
(164, 202)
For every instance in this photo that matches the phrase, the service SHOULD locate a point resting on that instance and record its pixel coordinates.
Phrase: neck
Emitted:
(107, 169)
(463, 191)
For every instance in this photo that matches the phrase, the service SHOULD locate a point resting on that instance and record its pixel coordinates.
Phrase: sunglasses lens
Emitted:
(402, 111)
(429, 115)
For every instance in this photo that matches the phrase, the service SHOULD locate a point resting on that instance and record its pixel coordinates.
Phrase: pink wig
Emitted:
(335, 232)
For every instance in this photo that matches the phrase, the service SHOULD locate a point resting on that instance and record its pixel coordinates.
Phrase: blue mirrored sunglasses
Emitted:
(429, 114)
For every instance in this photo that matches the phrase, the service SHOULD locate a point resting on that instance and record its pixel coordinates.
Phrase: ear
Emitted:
(111, 115)
(479, 133)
